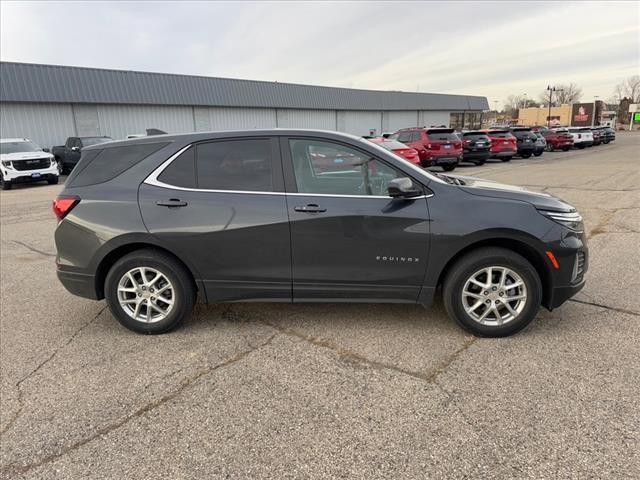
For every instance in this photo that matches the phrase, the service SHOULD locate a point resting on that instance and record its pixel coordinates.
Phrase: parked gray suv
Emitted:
(152, 224)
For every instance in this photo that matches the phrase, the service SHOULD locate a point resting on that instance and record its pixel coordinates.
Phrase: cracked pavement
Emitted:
(325, 391)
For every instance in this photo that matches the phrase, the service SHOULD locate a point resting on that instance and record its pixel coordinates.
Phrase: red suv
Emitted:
(558, 139)
(503, 144)
(435, 146)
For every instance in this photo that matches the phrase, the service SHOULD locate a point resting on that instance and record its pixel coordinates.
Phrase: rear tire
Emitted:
(448, 168)
(52, 180)
(537, 154)
(506, 159)
(566, 149)
(549, 147)
(526, 155)
(458, 300)
(479, 163)
(122, 294)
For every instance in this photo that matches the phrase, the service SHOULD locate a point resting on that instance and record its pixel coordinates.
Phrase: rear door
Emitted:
(349, 238)
(221, 206)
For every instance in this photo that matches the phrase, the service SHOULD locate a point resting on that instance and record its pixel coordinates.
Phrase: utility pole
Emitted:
(551, 89)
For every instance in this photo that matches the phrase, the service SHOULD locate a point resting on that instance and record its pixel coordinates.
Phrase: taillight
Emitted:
(457, 145)
(579, 135)
(63, 204)
(467, 141)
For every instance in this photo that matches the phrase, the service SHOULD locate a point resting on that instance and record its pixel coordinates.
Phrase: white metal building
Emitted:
(49, 103)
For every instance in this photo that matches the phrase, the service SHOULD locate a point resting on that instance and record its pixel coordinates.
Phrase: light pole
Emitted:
(595, 104)
(551, 89)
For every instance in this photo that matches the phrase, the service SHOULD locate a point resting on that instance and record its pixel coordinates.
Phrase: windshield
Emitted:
(17, 147)
(500, 134)
(88, 141)
(422, 174)
(391, 145)
(444, 136)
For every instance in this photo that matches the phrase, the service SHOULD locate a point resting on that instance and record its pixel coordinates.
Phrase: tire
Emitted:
(550, 147)
(506, 159)
(473, 262)
(53, 180)
(526, 155)
(182, 291)
(479, 163)
(537, 154)
(448, 168)
(566, 149)
(5, 184)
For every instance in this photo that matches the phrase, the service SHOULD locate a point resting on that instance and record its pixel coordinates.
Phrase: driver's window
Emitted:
(334, 169)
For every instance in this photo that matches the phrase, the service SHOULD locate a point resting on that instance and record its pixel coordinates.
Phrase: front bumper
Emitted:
(559, 295)
(24, 176)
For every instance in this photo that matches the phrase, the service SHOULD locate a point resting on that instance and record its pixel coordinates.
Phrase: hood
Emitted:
(24, 156)
(488, 188)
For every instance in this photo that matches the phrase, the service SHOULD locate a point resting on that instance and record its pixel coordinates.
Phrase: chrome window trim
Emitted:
(152, 179)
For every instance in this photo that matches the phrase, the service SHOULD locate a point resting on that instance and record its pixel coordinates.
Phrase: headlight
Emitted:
(572, 220)
(6, 163)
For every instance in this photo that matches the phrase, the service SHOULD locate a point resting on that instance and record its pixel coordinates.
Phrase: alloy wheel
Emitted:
(146, 294)
(494, 296)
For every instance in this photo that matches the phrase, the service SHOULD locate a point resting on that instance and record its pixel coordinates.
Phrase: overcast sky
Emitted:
(479, 48)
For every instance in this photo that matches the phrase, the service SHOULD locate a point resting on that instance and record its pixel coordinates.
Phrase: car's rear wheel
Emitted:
(149, 291)
(492, 292)
(448, 168)
(549, 147)
(52, 180)
(537, 154)
(480, 162)
(566, 149)
(526, 155)
(506, 159)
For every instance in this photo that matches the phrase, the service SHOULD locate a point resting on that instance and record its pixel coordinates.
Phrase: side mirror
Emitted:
(46, 150)
(402, 188)
(75, 149)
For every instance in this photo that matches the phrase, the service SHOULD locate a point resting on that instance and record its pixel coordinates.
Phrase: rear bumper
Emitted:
(79, 284)
(504, 153)
(476, 155)
(444, 160)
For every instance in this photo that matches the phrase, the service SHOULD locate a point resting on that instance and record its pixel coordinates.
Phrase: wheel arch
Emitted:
(120, 249)
(516, 245)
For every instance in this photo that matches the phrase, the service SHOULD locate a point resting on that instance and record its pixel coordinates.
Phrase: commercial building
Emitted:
(560, 115)
(48, 103)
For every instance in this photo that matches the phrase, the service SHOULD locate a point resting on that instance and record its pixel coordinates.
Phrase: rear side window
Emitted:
(404, 137)
(235, 165)
(182, 171)
(110, 162)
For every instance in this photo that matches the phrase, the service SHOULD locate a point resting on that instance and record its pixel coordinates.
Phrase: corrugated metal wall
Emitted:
(118, 121)
(51, 124)
(46, 124)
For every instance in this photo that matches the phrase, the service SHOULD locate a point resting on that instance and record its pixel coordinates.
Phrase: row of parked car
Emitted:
(447, 148)
(22, 160)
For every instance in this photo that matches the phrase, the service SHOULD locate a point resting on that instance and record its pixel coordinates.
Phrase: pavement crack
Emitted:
(606, 307)
(40, 365)
(375, 364)
(33, 249)
(16, 469)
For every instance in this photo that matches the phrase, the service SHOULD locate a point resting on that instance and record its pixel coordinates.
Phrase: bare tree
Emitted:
(564, 94)
(629, 88)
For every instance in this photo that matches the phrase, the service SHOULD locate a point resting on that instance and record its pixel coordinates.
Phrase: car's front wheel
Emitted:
(52, 180)
(149, 291)
(492, 292)
(549, 147)
(5, 184)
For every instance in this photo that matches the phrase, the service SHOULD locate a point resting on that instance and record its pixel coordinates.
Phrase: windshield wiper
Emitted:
(448, 179)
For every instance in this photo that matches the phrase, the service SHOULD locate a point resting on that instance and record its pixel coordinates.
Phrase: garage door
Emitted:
(360, 123)
(319, 119)
(396, 120)
(118, 121)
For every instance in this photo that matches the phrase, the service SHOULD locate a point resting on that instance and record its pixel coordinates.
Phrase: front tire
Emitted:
(5, 184)
(492, 292)
(52, 180)
(149, 291)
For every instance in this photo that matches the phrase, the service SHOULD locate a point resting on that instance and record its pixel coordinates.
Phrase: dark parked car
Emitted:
(476, 147)
(558, 139)
(503, 144)
(152, 223)
(607, 134)
(525, 141)
(67, 155)
(436, 146)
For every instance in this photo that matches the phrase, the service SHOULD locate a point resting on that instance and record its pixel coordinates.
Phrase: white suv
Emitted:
(23, 161)
(582, 136)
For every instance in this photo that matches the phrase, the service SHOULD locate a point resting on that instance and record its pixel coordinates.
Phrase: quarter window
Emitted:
(181, 172)
(330, 168)
(235, 165)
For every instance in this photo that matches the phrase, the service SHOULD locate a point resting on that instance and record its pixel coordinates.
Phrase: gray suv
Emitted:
(153, 224)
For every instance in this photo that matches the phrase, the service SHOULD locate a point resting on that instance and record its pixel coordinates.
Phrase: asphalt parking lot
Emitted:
(357, 391)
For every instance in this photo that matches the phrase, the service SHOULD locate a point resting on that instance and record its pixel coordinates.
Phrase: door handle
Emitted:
(311, 208)
(172, 202)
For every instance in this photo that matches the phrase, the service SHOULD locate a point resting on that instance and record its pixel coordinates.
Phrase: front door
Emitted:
(221, 206)
(349, 239)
